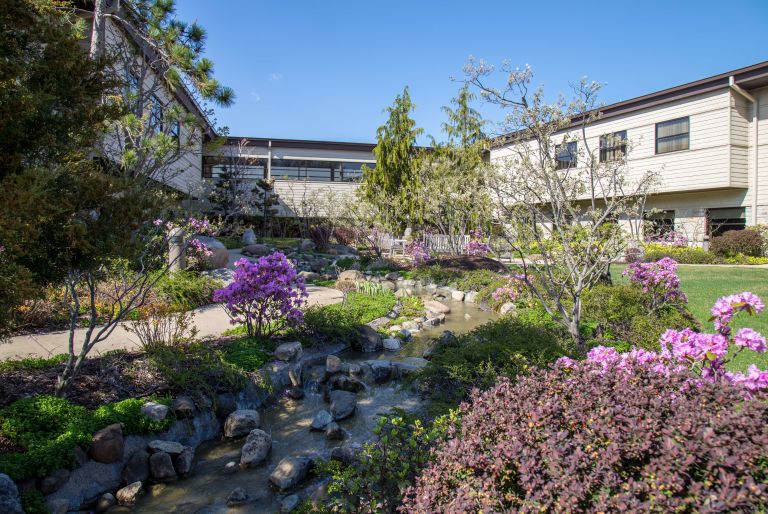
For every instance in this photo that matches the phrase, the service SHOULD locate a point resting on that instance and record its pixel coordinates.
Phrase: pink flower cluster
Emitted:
(658, 279)
(477, 244)
(512, 291)
(706, 353)
(418, 252)
(265, 295)
(671, 238)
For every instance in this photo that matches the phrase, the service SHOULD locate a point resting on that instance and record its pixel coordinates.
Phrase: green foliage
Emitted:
(197, 368)
(683, 255)
(621, 318)
(738, 242)
(32, 363)
(346, 263)
(436, 274)
(230, 242)
(370, 288)
(477, 280)
(49, 428)
(386, 466)
(505, 347)
(249, 353)
(33, 502)
(187, 290)
(339, 320)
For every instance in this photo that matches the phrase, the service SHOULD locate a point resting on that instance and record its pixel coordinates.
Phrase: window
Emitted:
(723, 220)
(565, 155)
(155, 115)
(133, 92)
(245, 168)
(672, 135)
(613, 147)
(658, 224)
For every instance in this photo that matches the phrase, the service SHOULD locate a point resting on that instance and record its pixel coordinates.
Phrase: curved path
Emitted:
(210, 321)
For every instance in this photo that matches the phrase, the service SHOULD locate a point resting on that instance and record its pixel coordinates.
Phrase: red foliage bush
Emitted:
(347, 235)
(576, 440)
(735, 242)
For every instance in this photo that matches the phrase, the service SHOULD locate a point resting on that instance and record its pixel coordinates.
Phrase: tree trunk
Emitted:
(98, 32)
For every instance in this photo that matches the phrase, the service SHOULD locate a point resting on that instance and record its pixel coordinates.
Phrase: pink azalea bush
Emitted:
(189, 226)
(512, 291)
(671, 238)
(418, 252)
(477, 244)
(705, 353)
(265, 295)
(658, 280)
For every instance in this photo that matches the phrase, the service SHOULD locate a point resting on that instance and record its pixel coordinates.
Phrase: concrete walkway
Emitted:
(210, 321)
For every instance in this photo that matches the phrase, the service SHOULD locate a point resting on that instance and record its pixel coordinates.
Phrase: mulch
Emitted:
(470, 263)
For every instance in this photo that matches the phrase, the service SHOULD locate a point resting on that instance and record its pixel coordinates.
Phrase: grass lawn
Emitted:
(705, 284)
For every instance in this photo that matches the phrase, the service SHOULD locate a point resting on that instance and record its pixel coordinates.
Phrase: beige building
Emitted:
(708, 142)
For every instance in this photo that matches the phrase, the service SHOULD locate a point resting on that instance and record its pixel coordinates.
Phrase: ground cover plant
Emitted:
(338, 321)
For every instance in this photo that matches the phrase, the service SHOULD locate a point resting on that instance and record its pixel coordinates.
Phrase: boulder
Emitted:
(219, 258)
(368, 339)
(289, 503)
(184, 462)
(436, 307)
(381, 371)
(57, 505)
(402, 293)
(309, 276)
(334, 432)
(129, 494)
(154, 411)
(470, 297)
(388, 284)
(211, 242)
(290, 472)
(351, 275)
(391, 344)
(288, 351)
(256, 448)
(226, 404)
(241, 422)
(345, 383)
(10, 501)
(332, 364)
(412, 326)
(256, 250)
(107, 444)
(506, 308)
(321, 421)
(295, 393)
(306, 245)
(345, 249)
(237, 497)
(248, 237)
(105, 501)
(343, 404)
(161, 467)
(172, 448)
(184, 407)
(457, 296)
(347, 453)
(54, 481)
(394, 276)
(136, 468)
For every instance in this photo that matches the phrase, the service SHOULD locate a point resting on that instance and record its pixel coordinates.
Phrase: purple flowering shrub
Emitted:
(659, 281)
(196, 251)
(418, 252)
(580, 438)
(512, 291)
(477, 244)
(706, 354)
(671, 238)
(265, 295)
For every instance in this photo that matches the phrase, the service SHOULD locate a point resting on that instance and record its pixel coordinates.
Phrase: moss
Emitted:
(249, 353)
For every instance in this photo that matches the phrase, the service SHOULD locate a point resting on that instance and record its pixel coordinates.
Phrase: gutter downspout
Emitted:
(755, 111)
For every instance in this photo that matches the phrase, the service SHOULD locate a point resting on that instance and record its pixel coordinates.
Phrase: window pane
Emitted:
(672, 127)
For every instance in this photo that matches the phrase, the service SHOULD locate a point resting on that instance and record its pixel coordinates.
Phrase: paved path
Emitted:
(210, 321)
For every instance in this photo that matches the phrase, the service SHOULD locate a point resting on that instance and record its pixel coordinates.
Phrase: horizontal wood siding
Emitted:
(298, 198)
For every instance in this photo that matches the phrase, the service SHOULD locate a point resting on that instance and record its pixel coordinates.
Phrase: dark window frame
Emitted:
(608, 149)
(717, 226)
(674, 136)
(573, 159)
(156, 114)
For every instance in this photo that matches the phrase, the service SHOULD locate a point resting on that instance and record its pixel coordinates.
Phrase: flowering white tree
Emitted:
(554, 194)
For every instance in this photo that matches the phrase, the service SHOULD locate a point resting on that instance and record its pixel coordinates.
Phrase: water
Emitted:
(288, 423)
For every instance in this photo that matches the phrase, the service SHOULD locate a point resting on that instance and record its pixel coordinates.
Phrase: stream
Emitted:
(288, 423)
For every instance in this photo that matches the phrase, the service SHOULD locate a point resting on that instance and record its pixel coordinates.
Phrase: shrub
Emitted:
(161, 326)
(477, 244)
(573, 439)
(505, 347)
(265, 295)
(345, 263)
(477, 280)
(734, 242)
(683, 255)
(321, 236)
(337, 321)
(347, 235)
(249, 353)
(658, 281)
(619, 315)
(746, 259)
(418, 252)
(186, 290)
(435, 273)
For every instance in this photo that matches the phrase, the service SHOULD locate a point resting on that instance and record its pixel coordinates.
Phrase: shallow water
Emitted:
(288, 423)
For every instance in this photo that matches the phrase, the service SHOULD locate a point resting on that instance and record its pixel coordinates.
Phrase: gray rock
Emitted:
(54, 481)
(393, 276)
(402, 293)
(289, 503)
(506, 308)
(332, 364)
(256, 448)
(290, 472)
(57, 505)
(211, 242)
(322, 419)
(288, 351)
(136, 468)
(107, 444)
(226, 404)
(457, 296)
(306, 245)
(388, 284)
(184, 407)
(129, 494)
(368, 339)
(154, 411)
(343, 404)
(353, 369)
(237, 497)
(345, 383)
(295, 393)
(184, 462)
(229, 468)
(219, 258)
(334, 432)
(391, 344)
(172, 448)
(470, 297)
(161, 467)
(350, 275)
(248, 237)
(436, 307)
(10, 501)
(309, 276)
(256, 250)
(81, 457)
(105, 501)
(405, 333)
(413, 326)
(241, 422)
(347, 453)
(381, 370)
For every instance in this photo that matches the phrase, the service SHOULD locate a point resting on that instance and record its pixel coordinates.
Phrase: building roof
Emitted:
(749, 77)
(302, 143)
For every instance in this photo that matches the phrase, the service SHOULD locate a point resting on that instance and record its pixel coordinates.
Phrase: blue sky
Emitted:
(326, 69)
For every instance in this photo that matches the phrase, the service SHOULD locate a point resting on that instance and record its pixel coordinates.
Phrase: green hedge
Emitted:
(187, 290)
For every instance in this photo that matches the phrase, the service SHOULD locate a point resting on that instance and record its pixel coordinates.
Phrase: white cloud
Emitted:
(255, 96)
(275, 76)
